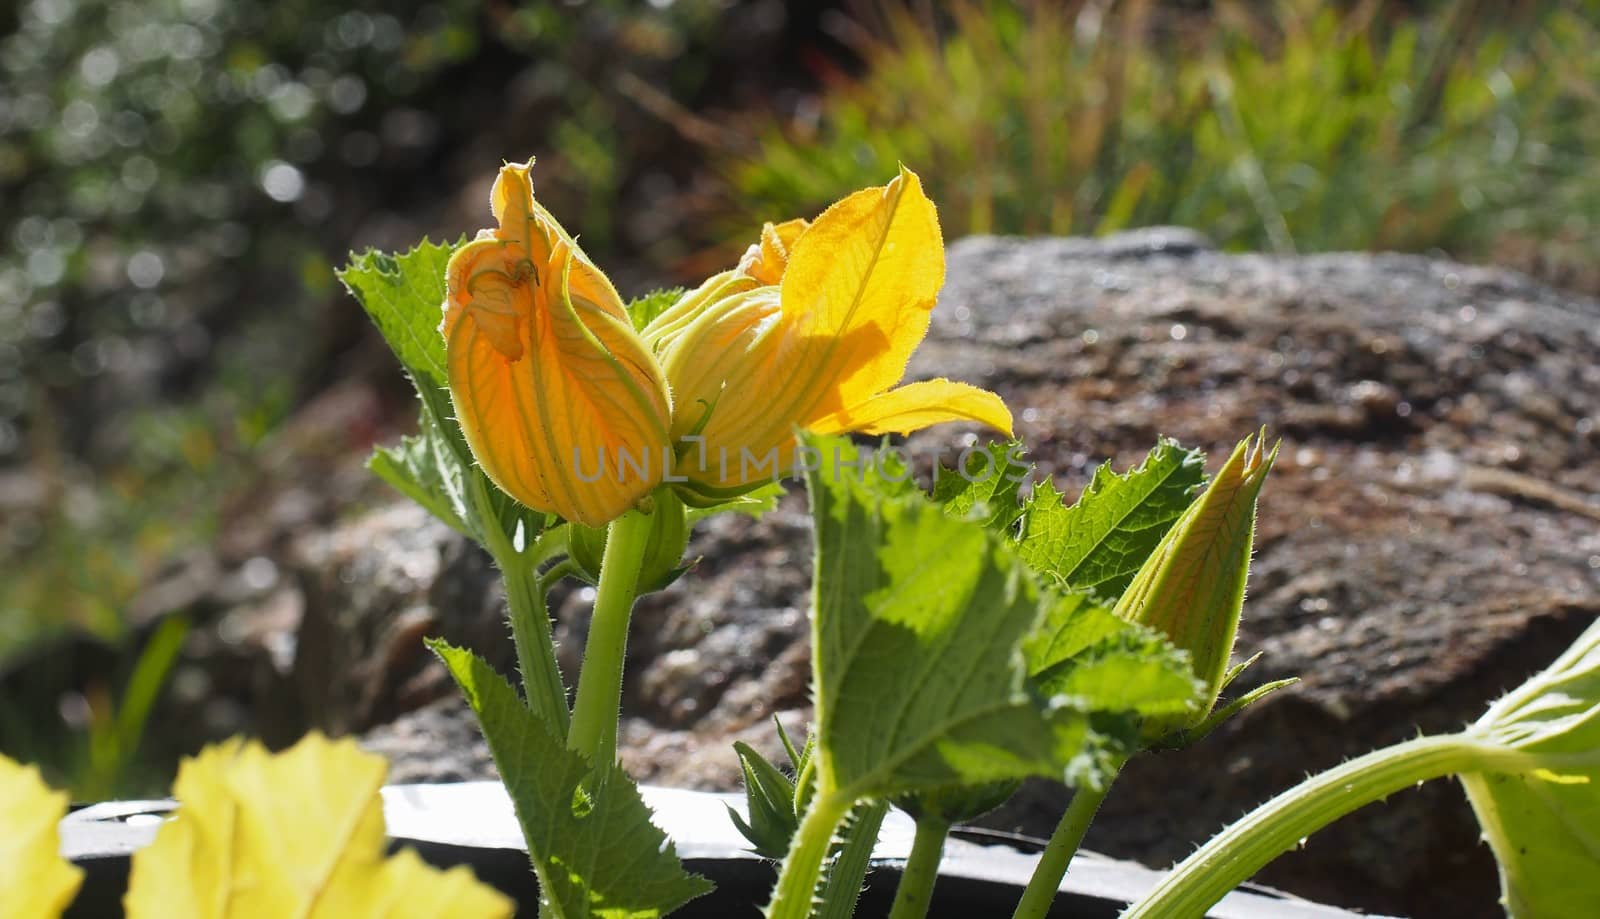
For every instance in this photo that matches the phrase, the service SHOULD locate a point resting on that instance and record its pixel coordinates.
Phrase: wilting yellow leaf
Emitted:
(822, 350)
(562, 403)
(300, 834)
(35, 881)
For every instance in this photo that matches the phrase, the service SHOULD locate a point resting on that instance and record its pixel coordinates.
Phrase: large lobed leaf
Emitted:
(1544, 826)
(920, 618)
(1098, 543)
(589, 834)
(35, 880)
(295, 834)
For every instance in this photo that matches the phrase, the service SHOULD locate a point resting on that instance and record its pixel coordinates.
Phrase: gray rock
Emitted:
(1428, 540)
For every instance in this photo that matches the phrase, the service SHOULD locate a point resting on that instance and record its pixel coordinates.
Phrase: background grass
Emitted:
(1294, 126)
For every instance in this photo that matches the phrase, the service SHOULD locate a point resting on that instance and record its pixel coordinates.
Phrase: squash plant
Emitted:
(964, 636)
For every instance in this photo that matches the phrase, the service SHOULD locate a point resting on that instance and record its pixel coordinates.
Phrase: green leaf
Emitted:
(642, 310)
(416, 469)
(1544, 825)
(986, 488)
(849, 858)
(1099, 543)
(404, 296)
(589, 834)
(1106, 664)
(917, 625)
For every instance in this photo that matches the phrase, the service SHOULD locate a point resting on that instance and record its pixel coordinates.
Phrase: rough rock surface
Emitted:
(1430, 537)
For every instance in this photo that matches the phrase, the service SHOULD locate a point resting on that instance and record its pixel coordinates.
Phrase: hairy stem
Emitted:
(1057, 855)
(915, 893)
(1238, 852)
(797, 881)
(849, 869)
(529, 616)
(536, 649)
(595, 708)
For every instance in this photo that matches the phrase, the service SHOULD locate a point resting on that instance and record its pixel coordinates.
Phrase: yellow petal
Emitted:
(919, 405)
(300, 833)
(859, 287)
(766, 260)
(564, 406)
(35, 880)
(675, 319)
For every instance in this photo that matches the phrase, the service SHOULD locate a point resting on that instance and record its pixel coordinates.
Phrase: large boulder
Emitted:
(1428, 539)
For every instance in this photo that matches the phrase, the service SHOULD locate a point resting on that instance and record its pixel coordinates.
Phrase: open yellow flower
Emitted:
(812, 331)
(562, 404)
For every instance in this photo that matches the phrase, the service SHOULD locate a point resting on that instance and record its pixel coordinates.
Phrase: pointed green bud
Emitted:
(769, 800)
(1191, 588)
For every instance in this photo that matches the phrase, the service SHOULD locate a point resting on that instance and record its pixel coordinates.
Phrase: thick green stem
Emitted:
(599, 698)
(536, 650)
(1057, 855)
(915, 893)
(1238, 852)
(797, 882)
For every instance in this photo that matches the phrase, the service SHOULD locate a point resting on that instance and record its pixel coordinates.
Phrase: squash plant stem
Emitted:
(797, 881)
(599, 699)
(1238, 852)
(1057, 855)
(528, 613)
(915, 893)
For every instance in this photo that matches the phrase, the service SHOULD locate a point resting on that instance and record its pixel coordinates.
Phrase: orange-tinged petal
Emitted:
(562, 404)
(919, 405)
(766, 260)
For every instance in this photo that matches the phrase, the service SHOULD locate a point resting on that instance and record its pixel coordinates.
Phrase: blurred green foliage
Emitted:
(177, 178)
(1291, 126)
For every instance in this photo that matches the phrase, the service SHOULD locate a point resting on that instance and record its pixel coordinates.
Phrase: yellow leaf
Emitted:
(35, 881)
(294, 834)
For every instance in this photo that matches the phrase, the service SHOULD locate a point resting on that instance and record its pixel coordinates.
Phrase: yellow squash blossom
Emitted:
(813, 331)
(561, 402)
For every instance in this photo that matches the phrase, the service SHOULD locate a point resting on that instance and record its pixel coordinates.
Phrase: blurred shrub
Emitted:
(176, 179)
(1294, 126)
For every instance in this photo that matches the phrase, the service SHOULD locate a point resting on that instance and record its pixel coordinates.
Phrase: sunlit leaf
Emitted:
(294, 834)
(404, 296)
(1544, 826)
(643, 310)
(589, 833)
(1098, 543)
(919, 616)
(986, 487)
(35, 880)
